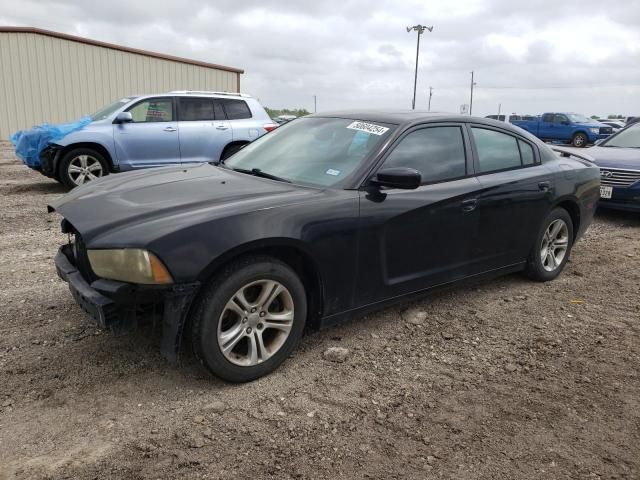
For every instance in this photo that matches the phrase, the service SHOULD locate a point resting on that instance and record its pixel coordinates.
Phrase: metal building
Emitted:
(52, 77)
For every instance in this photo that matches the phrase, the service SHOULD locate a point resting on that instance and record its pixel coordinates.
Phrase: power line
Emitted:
(550, 87)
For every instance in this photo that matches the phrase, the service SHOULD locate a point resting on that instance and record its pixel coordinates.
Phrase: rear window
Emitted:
(236, 109)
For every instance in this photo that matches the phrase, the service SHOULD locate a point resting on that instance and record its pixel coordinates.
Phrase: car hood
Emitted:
(613, 157)
(172, 198)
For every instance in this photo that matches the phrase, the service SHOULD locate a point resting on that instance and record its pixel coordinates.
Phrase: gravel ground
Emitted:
(501, 380)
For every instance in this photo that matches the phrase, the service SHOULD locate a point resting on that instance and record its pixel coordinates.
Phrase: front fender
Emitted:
(102, 138)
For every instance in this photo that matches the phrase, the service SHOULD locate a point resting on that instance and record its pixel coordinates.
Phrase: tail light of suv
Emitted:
(270, 126)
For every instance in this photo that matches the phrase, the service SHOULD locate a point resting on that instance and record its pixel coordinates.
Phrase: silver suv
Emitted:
(178, 127)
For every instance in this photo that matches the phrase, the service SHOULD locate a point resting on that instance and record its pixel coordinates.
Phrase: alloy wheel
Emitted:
(555, 244)
(84, 168)
(255, 323)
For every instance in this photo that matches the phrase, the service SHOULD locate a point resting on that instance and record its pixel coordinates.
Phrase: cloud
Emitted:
(579, 55)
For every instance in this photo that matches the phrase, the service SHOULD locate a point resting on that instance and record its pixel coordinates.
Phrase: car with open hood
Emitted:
(319, 221)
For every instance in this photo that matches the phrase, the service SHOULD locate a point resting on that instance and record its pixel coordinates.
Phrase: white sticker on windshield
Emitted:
(333, 172)
(368, 127)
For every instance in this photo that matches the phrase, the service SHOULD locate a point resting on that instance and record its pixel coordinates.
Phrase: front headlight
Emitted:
(132, 265)
(595, 130)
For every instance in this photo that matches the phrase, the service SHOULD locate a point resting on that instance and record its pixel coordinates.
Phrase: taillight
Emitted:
(270, 126)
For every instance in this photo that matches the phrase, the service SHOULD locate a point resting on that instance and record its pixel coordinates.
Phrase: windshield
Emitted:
(316, 151)
(109, 109)
(577, 118)
(627, 138)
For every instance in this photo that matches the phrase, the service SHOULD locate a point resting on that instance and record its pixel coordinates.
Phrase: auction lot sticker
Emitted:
(368, 127)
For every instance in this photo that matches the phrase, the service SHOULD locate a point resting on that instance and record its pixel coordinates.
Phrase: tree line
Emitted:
(298, 112)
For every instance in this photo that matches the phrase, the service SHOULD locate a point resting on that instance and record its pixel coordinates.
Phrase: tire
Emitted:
(230, 150)
(228, 343)
(545, 264)
(579, 140)
(92, 163)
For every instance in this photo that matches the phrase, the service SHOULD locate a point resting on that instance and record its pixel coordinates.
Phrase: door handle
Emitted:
(170, 129)
(544, 186)
(221, 127)
(469, 205)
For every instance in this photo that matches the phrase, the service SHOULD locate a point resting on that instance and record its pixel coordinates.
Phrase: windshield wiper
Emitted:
(256, 172)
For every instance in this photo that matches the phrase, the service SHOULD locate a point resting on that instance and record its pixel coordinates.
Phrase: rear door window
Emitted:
(500, 151)
(153, 110)
(195, 109)
(526, 152)
(218, 110)
(496, 150)
(236, 109)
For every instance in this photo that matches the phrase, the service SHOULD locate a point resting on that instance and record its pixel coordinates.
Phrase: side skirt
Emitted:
(342, 317)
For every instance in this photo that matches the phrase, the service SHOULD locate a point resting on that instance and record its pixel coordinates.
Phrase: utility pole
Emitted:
(430, 95)
(471, 100)
(315, 104)
(420, 29)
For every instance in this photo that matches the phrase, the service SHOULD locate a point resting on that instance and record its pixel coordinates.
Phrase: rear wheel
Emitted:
(579, 140)
(552, 248)
(249, 319)
(82, 165)
(230, 150)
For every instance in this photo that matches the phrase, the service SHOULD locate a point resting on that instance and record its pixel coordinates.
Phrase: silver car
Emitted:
(178, 127)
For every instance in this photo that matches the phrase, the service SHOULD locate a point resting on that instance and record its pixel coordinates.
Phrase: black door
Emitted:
(516, 196)
(413, 239)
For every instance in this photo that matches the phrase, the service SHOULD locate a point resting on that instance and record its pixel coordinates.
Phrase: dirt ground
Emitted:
(502, 380)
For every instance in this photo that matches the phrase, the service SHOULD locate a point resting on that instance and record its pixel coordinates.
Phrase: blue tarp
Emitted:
(29, 143)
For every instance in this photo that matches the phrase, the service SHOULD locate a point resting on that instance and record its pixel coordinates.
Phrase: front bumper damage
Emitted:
(118, 305)
(49, 158)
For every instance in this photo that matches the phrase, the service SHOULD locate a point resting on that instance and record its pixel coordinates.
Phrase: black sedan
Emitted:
(319, 221)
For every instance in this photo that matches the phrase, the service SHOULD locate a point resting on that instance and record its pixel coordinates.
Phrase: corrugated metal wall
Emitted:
(48, 79)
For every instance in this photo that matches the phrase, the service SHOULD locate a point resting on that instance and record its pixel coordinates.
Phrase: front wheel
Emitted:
(249, 319)
(552, 248)
(579, 140)
(81, 165)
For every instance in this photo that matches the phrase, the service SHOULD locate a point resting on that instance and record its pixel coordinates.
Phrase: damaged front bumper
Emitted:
(117, 305)
(49, 158)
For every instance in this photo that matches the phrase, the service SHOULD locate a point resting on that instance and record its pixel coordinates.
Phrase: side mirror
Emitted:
(398, 177)
(564, 122)
(123, 117)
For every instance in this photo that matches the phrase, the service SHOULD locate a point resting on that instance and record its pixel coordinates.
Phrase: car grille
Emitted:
(606, 130)
(618, 178)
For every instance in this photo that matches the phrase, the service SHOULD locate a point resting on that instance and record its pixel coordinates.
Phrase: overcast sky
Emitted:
(531, 56)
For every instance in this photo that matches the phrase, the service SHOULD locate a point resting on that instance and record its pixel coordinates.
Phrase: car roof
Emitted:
(409, 117)
(194, 93)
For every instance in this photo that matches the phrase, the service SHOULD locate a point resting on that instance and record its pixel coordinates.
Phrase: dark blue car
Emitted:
(619, 160)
